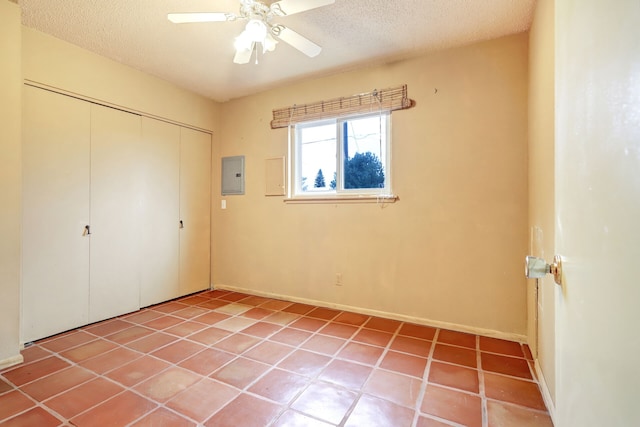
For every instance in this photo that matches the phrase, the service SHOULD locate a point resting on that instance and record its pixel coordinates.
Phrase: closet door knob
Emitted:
(181, 224)
(87, 230)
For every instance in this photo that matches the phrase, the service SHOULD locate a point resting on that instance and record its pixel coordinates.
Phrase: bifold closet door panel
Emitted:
(115, 210)
(195, 207)
(160, 173)
(55, 210)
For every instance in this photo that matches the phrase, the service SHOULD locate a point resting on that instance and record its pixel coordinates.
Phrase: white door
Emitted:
(55, 194)
(160, 173)
(598, 212)
(115, 200)
(195, 206)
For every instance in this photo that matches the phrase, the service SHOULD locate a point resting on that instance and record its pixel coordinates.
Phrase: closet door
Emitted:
(55, 194)
(115, 198)
(160, 174)
(195, 205)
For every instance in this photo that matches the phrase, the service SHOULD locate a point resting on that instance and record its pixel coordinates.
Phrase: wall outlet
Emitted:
(338, 279)
(223, 204)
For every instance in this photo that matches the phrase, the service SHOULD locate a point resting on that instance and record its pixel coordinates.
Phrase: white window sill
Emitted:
(365, 198)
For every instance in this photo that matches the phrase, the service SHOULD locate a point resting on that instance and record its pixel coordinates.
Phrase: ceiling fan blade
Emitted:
(289, 7)
(243, 56)
(303, 44)
(183, 18)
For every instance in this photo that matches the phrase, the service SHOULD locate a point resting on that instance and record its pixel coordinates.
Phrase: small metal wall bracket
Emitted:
(536, 268)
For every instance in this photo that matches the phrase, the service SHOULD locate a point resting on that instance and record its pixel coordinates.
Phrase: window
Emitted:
(348, 156)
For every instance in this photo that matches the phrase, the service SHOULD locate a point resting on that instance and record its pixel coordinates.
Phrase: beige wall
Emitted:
(10, 182)
(541, 186)
(52, 62)
(450, 252)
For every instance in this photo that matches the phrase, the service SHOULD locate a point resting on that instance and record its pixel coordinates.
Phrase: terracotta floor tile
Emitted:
(207, 361)
(527, 352)
(246, 411)
(520, 392)
(118, 411)
(110, 360)
(35, 417)
(505, 415)
(308, 324)
(163, 322)
(139, 370)
(261, 329)
(89, 350)
(325, 402)
(398, 388)
(275, 305)
(237, 343)
(298, 308)
(13, 403)
(462, 408)
(185, 328)
(380, 324)
(235, 324)
(430, 422)
(304, 363)
(178, 351)
(167, 384)
(67, 341)
(108, 327)
(240, 372)
(58, 382)
(168, 307)
(23, 374)
(213, 304)
(133, 333)
(418, 331)
(190, 312)
(162, 417)
(203, 399)
(323, 313)
(458, 355)
(338, 330)
(415, 346)
(34, 352)
(373, 412)
(404, 363)
(347, 374)
(257, 313)
(209, 336)
(454, 376)
(193, 300)
(211, 318)
(362, 353)
(269, 352)
(233, 309)
(281, 318)
(142, 316)
(354, 319)
(296, 419)
(369, 336)
(5, 386)
(324, 344)
(255, 300)
(151, 342)
(495, 345)
(233, 296)
(290, 336)
(513, 366)
(279, 386)
(457, 338)
(79, 399)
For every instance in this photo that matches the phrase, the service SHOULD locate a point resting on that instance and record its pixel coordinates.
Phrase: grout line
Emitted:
(425, 380)
(481, 386)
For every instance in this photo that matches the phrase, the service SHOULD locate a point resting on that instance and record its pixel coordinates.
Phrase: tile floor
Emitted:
(222, 358)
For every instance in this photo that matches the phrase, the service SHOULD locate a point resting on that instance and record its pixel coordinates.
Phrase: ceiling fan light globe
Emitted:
(269, 44)
(256, 30)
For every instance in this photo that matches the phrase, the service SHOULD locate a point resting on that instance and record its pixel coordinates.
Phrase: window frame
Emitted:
(362, 194)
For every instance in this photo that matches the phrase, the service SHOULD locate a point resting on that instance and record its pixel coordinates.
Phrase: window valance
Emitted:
(377, 100)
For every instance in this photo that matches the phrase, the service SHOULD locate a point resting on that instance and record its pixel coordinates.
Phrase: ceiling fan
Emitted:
(259, 28)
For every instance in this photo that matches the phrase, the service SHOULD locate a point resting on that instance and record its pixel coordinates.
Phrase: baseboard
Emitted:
(544, 389)
(11, 361)
(395, 316)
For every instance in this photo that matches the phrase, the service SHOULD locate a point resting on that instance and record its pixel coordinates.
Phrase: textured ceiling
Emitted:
(199, 57)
